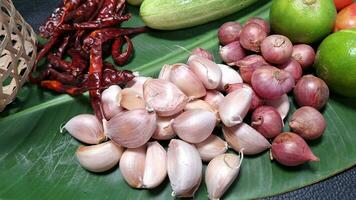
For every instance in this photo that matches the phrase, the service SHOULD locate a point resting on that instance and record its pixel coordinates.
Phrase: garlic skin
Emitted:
(155, 165)
(131, 129)
(110, 99)
(200, 104)
(235, 106)
(132, 166)
(131, 99)
(164, 130)
(244, 137)
(100, 157)
(184, 167)
(85, 128)
(194, 126)
(229, 76)
(187, 81)
(282, 105)
(214, 98)
(164, 97)
(206, 70)
(137, 84)
(165, 72)
(220, 173)
(211, 148)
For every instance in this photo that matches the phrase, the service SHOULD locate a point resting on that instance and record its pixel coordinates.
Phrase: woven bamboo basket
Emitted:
(17, 52)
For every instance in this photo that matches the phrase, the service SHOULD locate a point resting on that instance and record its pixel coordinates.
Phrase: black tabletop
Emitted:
(341, 186)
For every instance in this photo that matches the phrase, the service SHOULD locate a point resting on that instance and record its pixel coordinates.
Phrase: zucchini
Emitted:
(177, 14)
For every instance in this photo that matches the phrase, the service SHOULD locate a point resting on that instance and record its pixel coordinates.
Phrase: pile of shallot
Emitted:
(186, 103)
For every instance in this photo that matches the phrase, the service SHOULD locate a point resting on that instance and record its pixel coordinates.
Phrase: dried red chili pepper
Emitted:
(118, 57)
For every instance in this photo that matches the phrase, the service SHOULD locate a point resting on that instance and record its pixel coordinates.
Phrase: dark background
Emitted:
(341, 186)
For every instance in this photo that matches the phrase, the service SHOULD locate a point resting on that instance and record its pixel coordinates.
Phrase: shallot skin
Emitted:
(290, 149)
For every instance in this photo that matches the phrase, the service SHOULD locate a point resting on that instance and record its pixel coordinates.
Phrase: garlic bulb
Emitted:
(200, 104)
(165, 72)
(187, 81)
(282, 105)
(137, 84)
(100, 157)
(131, 129)
(235, 106)
(211, 147)
(243, 136)
(131, 99)
(206, 70)
(194, 126)
(110, 99)
(144, 167)
(221, 173)
(214, 98)
(164, 97)
(85, 128)
(184, 167)
(229, 76)
(164, 130)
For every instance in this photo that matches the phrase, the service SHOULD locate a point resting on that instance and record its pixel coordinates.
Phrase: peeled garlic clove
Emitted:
(165, 72)
(244, 137)
(187, 81)
(136, 84)
(220, 173)
(110, 99)
(184, 167)
(155, 165)
(132, 166)
(235, 106)
(131, 99)
(164, 97)
(214, 98)
(194, 126)
(131, 129)
(206, 70)
(164, 130)
(229, 76)
(85, 128)
(100, 157)
(282, 105)
(211, 148)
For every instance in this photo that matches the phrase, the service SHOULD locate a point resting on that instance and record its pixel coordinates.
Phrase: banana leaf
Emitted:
(38, 162)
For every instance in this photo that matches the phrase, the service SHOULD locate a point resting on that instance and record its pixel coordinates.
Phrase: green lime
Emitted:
(336, 62)
(303, 21)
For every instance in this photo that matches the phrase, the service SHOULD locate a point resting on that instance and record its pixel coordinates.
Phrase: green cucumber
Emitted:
(134, 2)
(177, 14)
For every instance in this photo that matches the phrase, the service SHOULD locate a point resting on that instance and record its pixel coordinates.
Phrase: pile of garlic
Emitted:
(186, 101)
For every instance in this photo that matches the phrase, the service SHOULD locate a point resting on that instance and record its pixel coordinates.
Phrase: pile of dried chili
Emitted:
(82, 29)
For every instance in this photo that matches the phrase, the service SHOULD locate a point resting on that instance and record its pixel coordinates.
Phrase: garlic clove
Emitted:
(131, 99)
(235, 106)
(85, 128)
(132, 166)
(221, 172)
(110, 99)
(282, 105)
(200, 104)
(100, 157)
(137, 84)
(206, 70)
(194, 126)
(164, 130)
(214, 98)
(164, 97)
(155, 165)
(211, 147)
(184, 167)
(131, 129)
(229, 76)
(187, 81)
(243, 136)
(165, 72)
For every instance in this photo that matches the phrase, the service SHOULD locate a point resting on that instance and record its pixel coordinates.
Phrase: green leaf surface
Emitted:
(38, 162)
